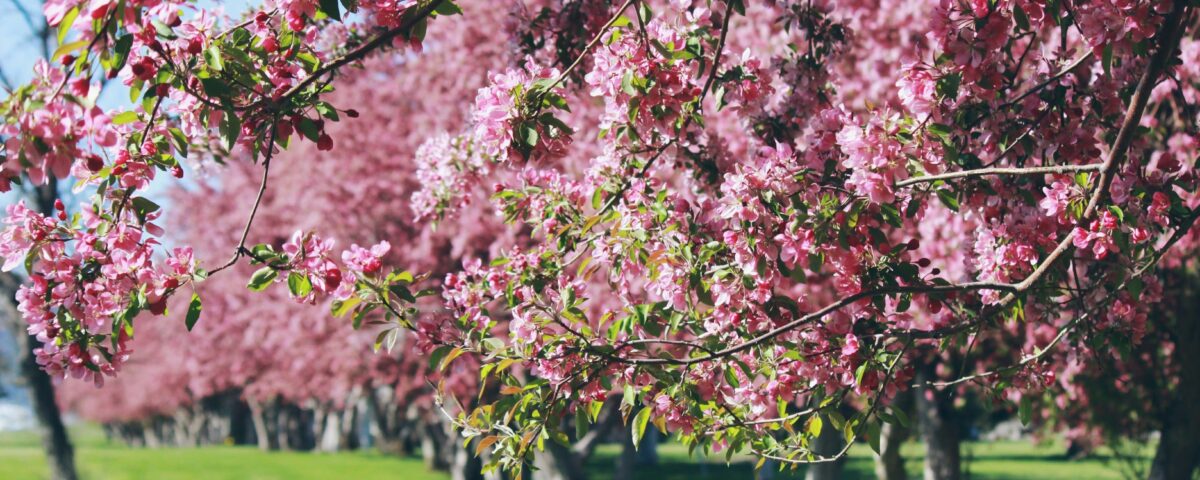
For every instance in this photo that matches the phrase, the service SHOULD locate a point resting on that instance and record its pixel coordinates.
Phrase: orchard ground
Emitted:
(21, 459)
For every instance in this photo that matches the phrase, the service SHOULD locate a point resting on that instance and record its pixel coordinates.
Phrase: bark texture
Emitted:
(1178, 452)
(939, 427)
(828, 444)
(889, 465)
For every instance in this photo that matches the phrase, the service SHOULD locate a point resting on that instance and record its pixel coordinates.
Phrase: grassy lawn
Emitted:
(21, 459)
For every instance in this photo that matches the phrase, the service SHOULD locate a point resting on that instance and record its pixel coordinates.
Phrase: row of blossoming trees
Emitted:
(748, 223)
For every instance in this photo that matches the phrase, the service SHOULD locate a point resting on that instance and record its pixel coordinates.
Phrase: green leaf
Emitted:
(143, 206)
(193, 313)
(68, 48)
(1116, 211)
(163, 30)
(124, 118)
(262, 278)
(815, 424)
(212, 57)
(120, 53)
(387, 336)
(438, 354)
(299, 285)
(581, 422)
(448, 8)
(326, 110)
(1106, 60)
(892, 215)
(404, 276)
(215, 87)
(639, 426)
(1025, 410)
(332, 8)
(901, 416)
(341, 307)
(308, 128)
(1020, 17)
(454, 353)
(528, 135)
(360, 314)
(947, 86)
(1135, 287)
(738, 6)
(180, 141)
(939, 130)
(874, 430)
(948, 199)
(309, 60)
(68, 20)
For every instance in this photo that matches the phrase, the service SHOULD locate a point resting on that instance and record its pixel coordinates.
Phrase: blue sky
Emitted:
(19, 45)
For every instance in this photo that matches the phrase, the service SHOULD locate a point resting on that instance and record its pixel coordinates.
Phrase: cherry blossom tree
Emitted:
(714, 224)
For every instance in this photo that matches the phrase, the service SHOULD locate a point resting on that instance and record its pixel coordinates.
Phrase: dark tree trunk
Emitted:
(241, 428)
(939, 427)
(1178, 453)
(55, 441)
(828, 444)
(889, 464)
(464, 465)
(433, 445)
(561, 463)
(646, 453)
(557, 462)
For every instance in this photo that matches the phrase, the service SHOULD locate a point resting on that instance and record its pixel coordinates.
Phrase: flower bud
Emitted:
(324, 142)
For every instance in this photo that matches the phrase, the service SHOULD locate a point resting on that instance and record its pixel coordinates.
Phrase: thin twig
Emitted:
(579, 59)
(1053, 78)
(1001, 171)
(363, 50)
(262, 188)
(830, 308)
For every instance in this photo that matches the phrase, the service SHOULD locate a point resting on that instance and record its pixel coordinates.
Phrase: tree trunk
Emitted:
(828, 444)
(557, 462)
(241, 426)
(646, 453)
(263, 430)
(939, 427)
(561, 463)
(464, 465)
(889, 465)
(59, 452)
(348, 429)
(329, 421)
(55, 441)
(433, 442)
(1178, 453)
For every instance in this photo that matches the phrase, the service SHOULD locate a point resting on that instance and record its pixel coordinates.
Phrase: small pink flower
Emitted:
(366, 260)
(851, 346)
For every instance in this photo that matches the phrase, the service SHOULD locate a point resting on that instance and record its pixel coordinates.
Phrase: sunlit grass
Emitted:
(21, 459)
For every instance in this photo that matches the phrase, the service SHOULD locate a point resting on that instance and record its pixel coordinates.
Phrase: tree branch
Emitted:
(1000, 171)
(262, 189)
(1169, 40)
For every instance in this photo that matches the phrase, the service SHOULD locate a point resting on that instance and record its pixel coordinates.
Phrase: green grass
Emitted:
(21, 459)
(995, 461)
